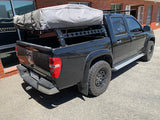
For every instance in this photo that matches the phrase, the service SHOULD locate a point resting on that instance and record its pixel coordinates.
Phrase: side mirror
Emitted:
(146, 28)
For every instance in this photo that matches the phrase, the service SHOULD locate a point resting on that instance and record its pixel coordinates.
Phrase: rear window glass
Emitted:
(118, 26)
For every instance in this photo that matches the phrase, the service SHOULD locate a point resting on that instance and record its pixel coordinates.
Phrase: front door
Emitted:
(137, 35)
(122, 39)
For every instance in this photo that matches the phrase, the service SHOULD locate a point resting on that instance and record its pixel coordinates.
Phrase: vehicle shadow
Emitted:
(52, 101)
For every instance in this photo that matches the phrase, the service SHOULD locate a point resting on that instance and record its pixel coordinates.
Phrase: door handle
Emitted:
(118, 41)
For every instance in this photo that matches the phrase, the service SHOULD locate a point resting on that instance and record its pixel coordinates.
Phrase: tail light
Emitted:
(16, 50)
(55, 65)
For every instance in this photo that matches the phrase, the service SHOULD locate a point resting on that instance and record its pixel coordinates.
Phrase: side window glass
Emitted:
(118, 26)
(133, 25)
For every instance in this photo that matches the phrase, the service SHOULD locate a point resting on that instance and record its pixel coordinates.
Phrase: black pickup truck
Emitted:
(83, 56)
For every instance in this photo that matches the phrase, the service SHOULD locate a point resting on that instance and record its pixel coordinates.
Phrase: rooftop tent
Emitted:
(61, 16)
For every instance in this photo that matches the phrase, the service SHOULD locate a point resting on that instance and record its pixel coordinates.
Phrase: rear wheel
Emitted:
(99, 78)
(149, 51)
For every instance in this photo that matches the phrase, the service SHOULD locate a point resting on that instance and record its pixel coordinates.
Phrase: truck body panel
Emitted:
(79, 53)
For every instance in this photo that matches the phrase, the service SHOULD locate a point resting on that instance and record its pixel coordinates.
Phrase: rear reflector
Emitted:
(55, 65)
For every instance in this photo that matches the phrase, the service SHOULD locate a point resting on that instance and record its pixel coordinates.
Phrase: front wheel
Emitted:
(149, 51)
(99, 78)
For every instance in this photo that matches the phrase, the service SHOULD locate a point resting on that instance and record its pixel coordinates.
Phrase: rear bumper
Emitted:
(41, 85)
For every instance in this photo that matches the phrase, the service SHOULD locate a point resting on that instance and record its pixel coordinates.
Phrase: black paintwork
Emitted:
(77, 58)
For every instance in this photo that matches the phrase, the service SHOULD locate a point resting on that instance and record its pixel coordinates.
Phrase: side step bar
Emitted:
(122, 64)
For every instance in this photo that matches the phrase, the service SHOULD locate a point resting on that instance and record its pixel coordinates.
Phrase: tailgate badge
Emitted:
(29, 56)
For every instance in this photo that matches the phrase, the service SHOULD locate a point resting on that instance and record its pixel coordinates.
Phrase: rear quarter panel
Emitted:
(74, 60)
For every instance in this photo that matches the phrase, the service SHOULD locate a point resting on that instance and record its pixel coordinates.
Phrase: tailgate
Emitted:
(35, 57)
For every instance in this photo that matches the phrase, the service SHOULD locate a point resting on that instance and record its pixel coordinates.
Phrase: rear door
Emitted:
(137, 35)
(122, 39)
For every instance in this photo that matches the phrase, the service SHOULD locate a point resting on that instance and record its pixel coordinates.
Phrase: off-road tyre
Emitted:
(99, 78)
(149, 51)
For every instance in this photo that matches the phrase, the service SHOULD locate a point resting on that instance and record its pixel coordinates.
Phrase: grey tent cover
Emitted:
(61, 16)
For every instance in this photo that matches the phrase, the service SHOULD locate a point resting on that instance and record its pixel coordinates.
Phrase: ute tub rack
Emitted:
(63, 36)
(83, 33)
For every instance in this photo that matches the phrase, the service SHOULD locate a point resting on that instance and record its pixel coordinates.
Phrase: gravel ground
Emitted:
(133, 94)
